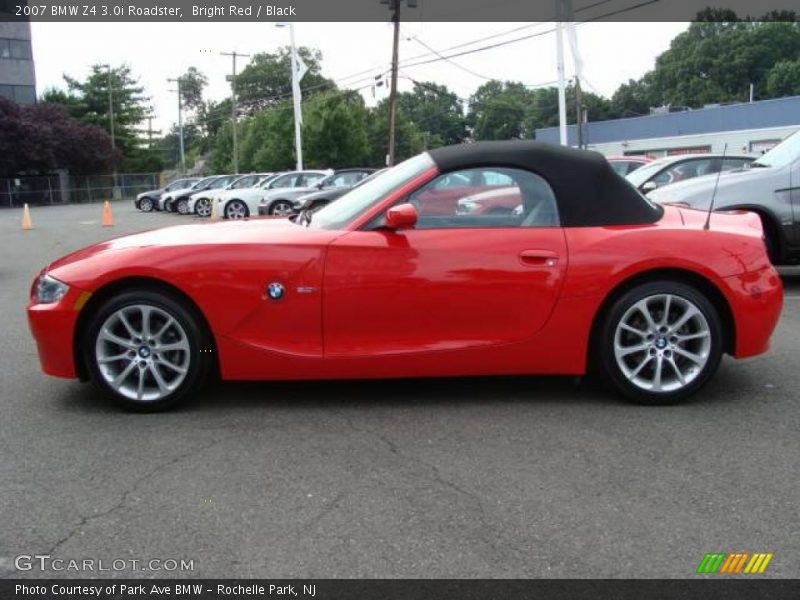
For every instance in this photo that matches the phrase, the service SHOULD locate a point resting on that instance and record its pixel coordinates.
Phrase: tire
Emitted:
(633, 371)
(203, 207)
(182, 206)
(236, 209)
(136, 371)
(146, 204)
(281, 208)
(771, 240)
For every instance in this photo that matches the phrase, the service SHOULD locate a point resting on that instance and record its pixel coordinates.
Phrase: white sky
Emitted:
(612, 53)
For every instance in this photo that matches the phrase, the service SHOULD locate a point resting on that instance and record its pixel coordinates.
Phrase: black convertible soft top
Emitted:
(588, 190)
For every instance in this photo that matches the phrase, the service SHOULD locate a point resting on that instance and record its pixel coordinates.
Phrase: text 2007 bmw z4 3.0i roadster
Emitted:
(488, 258)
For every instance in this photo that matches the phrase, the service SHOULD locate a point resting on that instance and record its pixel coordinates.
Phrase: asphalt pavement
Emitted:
(491, 477)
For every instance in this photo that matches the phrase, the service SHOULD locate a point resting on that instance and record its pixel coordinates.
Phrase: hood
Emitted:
(180, 192)
(697, 192)
(331, 194)
(151, 193)
(136, 249)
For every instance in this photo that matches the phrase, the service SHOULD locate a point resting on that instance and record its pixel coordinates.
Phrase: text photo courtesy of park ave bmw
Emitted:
(413, 299)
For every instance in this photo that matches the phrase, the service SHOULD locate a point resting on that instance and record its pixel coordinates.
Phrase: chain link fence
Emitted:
(61, 188)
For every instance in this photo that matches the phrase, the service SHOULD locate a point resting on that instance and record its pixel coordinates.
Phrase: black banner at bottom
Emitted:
(399, 589)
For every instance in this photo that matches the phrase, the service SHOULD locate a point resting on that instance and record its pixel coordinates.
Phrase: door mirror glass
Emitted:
(402, 216)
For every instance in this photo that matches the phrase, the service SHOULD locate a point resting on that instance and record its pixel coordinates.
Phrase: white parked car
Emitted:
(181, 203)
(167, 200)
(200, 203)
(240, 204)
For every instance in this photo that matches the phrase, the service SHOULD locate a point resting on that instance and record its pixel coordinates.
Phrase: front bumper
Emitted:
(53, 329)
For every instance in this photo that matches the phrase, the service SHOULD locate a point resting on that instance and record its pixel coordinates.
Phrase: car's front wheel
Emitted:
(660, 342)
(203, 207)
(236, 209)
(281, 208)
(182, 206)
(147, 349)
(146, 204)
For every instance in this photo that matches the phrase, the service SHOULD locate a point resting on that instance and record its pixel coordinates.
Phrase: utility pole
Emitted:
(393, 92)
(296, 97)
(234, 110)
(579, 111)
(394, 6)
(562, 84)
(180, 123)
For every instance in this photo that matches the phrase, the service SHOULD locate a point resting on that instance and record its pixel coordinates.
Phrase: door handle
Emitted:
(538, 258)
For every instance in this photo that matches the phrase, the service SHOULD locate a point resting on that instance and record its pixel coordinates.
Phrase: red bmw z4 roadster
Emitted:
(404, 277)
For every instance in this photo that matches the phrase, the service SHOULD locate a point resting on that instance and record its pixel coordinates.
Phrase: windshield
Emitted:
(643, 174)
(337, 215)
(245, 182)
(783, 154)
(200, 185)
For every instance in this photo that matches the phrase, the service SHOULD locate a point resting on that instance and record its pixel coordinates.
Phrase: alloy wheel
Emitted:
(203, 207)
(183, 207)
(662, 343)
(235, 210)
(142, 352)
(146, 204)
(281, 208)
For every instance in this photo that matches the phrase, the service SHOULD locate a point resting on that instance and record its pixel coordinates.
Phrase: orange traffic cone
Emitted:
(108, 220)
(26, 218)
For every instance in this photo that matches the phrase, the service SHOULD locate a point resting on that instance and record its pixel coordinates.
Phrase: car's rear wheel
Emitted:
(660, 342)
(146, 204)
(182, 206)
(147, 349)
(236, 209)
(203, 207)
(281, 208)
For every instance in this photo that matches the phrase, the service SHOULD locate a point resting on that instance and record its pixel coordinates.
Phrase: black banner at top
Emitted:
(379, 10)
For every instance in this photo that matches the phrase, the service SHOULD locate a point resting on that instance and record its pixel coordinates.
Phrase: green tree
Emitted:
(498, 110)
(193, 82)
(409, 140)
(436, 112)
(783, 79)
(267, 79)
(335, 131)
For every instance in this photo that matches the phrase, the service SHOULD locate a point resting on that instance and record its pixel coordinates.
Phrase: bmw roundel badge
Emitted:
(275, 291)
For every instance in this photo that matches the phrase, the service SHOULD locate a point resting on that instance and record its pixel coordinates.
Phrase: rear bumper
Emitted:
(53, 329)
(756, 300)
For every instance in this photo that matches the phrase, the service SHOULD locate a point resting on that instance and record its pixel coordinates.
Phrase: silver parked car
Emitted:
(770, 187)
(673, 169)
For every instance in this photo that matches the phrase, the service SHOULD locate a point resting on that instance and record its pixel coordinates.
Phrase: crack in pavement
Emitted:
(126, 494)
(437, 477)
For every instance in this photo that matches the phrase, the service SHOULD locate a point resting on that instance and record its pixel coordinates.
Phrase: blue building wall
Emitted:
(734, 117)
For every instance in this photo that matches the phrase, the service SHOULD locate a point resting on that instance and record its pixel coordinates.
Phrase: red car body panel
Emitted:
(367, 304)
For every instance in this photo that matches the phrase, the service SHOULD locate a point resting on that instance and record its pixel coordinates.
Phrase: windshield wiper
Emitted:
(759, 165)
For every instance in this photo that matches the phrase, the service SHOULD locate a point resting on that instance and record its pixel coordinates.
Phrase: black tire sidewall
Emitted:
(199, 363)
(605, 342)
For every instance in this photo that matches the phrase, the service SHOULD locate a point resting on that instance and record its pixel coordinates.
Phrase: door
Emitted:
(466, 278)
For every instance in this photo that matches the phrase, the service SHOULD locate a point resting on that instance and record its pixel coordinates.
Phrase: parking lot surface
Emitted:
(490, 477)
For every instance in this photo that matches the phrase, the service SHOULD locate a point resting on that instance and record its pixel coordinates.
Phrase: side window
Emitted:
(310, 179)
(730, 164)
(284, 181)
(485, 197)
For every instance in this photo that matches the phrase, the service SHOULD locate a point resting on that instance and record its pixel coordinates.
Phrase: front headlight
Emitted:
(49, 290)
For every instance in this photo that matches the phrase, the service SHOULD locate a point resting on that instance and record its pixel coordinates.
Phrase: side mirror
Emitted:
(649, 186)
(402, 216)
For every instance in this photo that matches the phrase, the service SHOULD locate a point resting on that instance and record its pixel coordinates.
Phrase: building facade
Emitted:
(749, 128)
(17, 72)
